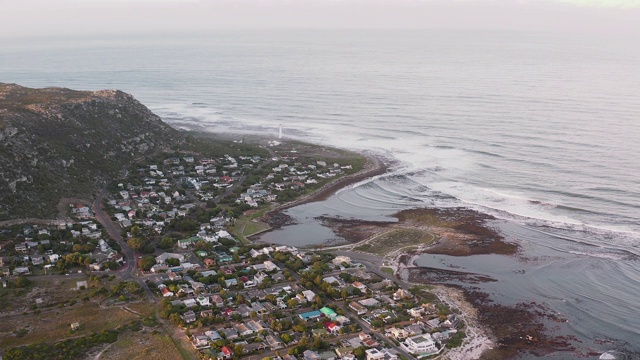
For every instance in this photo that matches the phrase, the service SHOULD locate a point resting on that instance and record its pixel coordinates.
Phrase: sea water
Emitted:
(539, 130)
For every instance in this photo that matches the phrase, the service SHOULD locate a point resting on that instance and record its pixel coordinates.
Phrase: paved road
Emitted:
(105, 220)
(127, 272)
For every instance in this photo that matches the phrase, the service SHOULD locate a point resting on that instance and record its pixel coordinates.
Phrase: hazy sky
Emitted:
(20, 18)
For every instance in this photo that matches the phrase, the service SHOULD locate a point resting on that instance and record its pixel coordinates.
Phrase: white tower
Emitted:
(280, 132)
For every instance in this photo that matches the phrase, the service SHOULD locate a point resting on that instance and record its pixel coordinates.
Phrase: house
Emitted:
(274, 342)
(259, 308)
(166, 292)
(189, 316)
(213, 335)
(370, 343)
(206, 313)
(338, 260)
(226, 352)
(209, 262)
(413, 329)
(359, 309)
(229, 333)
(389, 301)
(203, 301)
(416, 311)
(244, 310)
(328, 355)
(331, 327)
(309, 295)
(75, 326)
(243, 329)
(200, 342)
(401, 294)
(228, 312)
(22, 270)
(208, 273)
(374, 354)
(397, 333)
(259, 278)
(433, 323)
(328, 312)
(21, 247)
(173, 276)
(198, 287)
(443, 335)
(332, 280)
(270, 266)
(217, 300)
(189, 303)
(344, 351)
(386, 354)
(255, 325)
(370, 302)
(429, 308)
(420, 344)
(311, 355)
(451, 322)
(360, 286)
(251, 347)
(310, 315)
(342, 320)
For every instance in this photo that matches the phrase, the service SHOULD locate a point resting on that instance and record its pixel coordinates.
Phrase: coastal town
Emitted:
(178, 230)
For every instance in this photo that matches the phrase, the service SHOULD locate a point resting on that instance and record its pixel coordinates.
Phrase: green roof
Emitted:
(328, 312)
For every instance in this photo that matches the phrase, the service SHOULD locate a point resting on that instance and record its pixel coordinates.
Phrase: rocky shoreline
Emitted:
(495, 331)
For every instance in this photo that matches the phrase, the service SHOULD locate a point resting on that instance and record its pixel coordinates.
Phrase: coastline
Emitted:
(373, 167)
(457, 232)
(479, 338)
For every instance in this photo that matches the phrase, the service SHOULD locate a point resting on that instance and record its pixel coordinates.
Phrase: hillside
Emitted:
(57, 143)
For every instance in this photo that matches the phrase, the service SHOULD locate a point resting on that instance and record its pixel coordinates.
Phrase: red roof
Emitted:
(329, 325)
(226, 350)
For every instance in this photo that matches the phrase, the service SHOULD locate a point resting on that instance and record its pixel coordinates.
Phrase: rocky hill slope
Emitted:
(57, 143)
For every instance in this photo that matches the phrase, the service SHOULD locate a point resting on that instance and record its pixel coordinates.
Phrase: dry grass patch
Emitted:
(141, 345)
(395, 240)
(54, 325)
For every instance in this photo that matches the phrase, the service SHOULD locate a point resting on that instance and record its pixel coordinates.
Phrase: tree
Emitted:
(22, 282)
(136, 243)
(148, 249)
(344, 293)
(166, 243)
(292, 303)
(147, 262)
(359, 352)
(172, 262)
(286, 338)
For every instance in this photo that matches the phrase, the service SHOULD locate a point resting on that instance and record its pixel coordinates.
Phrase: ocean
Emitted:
(539, 130)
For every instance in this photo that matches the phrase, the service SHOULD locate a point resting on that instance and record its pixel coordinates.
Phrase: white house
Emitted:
(309, 295)
(420, 344)
(203, 301)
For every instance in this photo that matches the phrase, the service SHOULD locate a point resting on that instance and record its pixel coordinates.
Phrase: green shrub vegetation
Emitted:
(63, 350)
